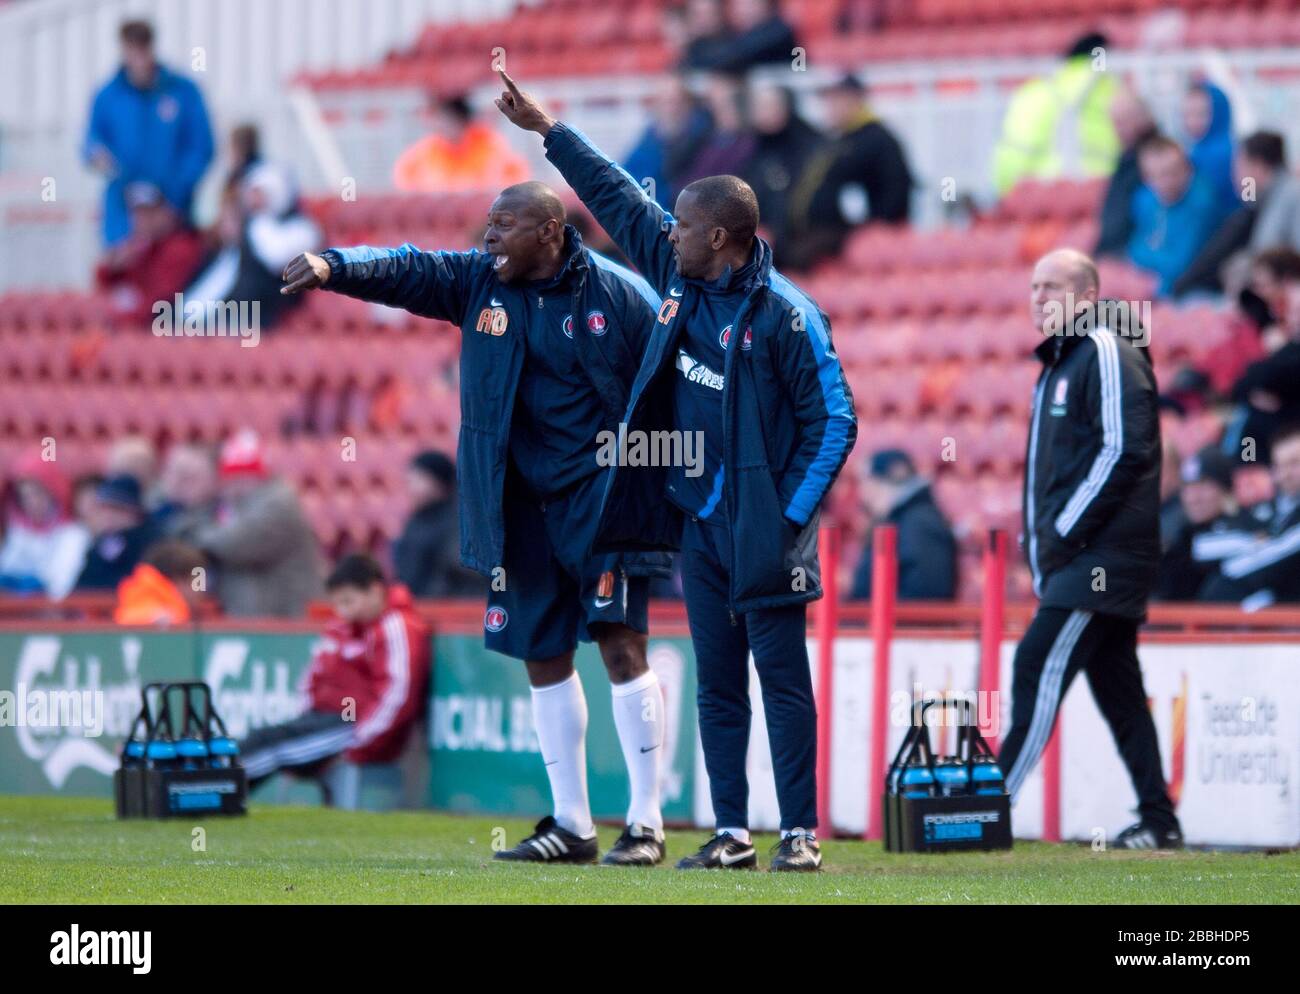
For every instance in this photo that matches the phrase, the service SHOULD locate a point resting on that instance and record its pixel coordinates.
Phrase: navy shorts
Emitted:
(554, 594)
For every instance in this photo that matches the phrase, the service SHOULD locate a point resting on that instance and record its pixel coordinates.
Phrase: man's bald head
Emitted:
(535, 199)
(1064, 283)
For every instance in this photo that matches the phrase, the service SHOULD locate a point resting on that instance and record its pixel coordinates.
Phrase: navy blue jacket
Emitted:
(788, 413)
(461, 287)
(927, 552)
(159, 136)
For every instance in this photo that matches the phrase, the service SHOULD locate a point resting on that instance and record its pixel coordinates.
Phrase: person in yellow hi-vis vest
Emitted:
(1059, 125)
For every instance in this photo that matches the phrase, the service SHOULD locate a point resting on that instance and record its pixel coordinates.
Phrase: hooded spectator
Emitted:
(897, 495)
(1174, 212)
(266, 556)
(426, 556)
(43, 549)
(461, 155)
(147, 124)
(122, 531)
(1207, 122)
(151, 264)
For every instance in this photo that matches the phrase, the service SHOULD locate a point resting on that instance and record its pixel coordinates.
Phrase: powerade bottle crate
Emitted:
(165, 775)
(945, 803)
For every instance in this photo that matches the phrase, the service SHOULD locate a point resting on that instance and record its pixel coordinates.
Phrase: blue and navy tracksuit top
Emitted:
(786, 413)
(544, 368)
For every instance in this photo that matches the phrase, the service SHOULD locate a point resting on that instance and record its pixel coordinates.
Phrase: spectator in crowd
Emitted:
(168, 587)
(1254, 329)
(896, 494)
(860, 175)
(784, 143)
(1174, 212)
(1207, 122)
(244, 152)
(122, 531)
(187, 490)
(755, 34)
(136, 456)
(44, 548)
(259, 235)
(1133, 123)
(366, 685)
(1268, 571)
(154, 262)
(426, 556)
(1269, 389)
(705, 34)
(461, 155)
(1060, 125)
(730, 145)
(678, 128)
(1172, 516)
(1262, 162)
(265, 553)
(83, 499)
(147, 124)
(1210, 531)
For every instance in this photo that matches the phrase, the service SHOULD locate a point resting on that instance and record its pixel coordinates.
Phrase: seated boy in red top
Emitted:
(367, 681)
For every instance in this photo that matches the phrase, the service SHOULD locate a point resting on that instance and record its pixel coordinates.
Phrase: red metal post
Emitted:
(826, 622)
(884, 590)
(992, 623)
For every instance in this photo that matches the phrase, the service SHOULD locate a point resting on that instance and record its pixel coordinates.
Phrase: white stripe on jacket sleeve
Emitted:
(1112, 433)
(399, 682)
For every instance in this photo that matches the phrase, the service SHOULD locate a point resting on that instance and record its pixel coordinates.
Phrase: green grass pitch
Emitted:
(72, 850)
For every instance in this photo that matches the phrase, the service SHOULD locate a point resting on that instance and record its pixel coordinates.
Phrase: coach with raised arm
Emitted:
(744, 358)
(1091, 532)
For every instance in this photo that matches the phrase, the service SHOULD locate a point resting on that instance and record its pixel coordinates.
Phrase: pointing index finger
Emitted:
(510, 83)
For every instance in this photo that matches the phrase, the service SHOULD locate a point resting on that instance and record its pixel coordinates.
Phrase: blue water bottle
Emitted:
(951, 776)
(986, 777)
(917, 780)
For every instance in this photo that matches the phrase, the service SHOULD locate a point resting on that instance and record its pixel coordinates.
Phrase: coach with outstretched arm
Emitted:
(741, 356)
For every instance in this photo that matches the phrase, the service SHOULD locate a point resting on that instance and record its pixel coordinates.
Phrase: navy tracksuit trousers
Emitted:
(777, 638)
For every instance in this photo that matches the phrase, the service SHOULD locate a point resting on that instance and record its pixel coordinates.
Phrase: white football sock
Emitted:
(639, 718)
(739, 834)
(560, 716)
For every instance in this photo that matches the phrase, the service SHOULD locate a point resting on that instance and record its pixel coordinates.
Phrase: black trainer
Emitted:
(722, 852)
(1145, 836)
(550, 843)
(637, 846)
(797, 852)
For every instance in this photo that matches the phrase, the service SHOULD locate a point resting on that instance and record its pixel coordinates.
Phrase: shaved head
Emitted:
(726, 202)
(533, 198)
(1081, 269)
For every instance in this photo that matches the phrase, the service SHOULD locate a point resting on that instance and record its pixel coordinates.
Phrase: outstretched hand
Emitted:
(305, 272)
(522, 110)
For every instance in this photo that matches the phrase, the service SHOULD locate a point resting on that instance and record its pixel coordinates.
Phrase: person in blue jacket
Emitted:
(743, 359)
(147, 124)
(551, 339)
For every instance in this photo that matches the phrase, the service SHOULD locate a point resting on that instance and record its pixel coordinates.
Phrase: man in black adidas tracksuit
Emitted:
(1091, 532)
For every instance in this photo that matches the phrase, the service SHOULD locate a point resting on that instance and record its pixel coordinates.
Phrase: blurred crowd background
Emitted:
(1156, 136)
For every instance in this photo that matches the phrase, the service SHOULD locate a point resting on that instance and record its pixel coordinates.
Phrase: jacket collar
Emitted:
(575, 261)
(752, 274)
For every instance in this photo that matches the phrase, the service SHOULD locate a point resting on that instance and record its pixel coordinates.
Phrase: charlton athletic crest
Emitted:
(495, 619)
(746, 343)
(596, 323)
